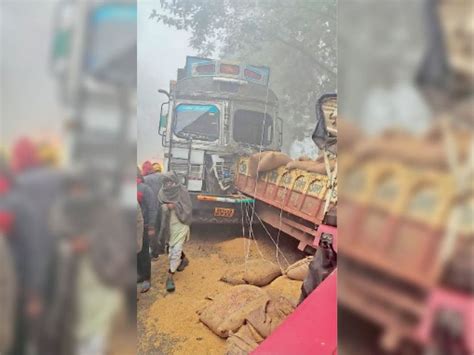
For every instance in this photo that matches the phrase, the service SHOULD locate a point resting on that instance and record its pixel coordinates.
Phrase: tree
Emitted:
(296, 39)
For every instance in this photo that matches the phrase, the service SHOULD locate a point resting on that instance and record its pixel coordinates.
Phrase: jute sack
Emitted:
(266, 161)
(309, 165)
(286, 287)
(244, 341)
(266, 318)
(261, 272)
(234, 276)
(299, 270)
(227, 311)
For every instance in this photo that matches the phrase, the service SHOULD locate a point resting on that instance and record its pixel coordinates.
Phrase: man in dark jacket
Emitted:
(323, 263)
(155, 180)
(95, 257)
(40, 186)
(149, 206)
(18, 295)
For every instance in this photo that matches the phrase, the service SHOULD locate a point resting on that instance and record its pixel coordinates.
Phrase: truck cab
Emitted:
(217, 111)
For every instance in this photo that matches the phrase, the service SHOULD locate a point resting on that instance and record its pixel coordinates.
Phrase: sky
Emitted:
(161, 50)
(28, 93)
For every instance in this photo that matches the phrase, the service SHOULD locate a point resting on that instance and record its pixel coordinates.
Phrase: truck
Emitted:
(93, 59)
(215, 112)
(298, 202)
(302, 204)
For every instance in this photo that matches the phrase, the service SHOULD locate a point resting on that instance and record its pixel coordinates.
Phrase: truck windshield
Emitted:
(197, 121)
(252, 127)
(111, 46)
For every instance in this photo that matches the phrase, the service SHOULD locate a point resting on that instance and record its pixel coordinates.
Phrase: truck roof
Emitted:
(204, 78)
(209, 87)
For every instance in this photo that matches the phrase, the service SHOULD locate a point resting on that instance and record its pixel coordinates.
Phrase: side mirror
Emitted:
(164, 92)
(280, 131)
(164, 112)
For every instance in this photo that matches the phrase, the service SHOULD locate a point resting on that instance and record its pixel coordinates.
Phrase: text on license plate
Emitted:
(224, 212)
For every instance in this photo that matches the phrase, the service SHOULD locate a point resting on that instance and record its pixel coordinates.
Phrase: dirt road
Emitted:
(168, 323)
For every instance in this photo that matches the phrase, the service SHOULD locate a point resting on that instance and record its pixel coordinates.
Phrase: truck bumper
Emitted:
(214, 212)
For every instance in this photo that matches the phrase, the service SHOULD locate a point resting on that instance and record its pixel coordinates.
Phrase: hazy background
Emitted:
(28, 99)
(297, 40)
(161, 50)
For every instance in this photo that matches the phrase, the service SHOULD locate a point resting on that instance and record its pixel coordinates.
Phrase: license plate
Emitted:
(224, 212)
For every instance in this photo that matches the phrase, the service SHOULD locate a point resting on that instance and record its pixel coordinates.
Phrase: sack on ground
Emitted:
(234, 276)
(243, 342)
(286, 287)
(227, 311)
(266, 161)
(266, 318)
(299, 270)
(261, 272)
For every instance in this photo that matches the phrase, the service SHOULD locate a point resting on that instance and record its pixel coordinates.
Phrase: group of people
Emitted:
(64, 271)
(164, 214)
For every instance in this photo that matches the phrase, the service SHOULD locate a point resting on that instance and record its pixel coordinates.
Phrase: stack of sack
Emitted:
(314, 166)
(299, 270)
(258, 272)
(245, 315)
(266, 161)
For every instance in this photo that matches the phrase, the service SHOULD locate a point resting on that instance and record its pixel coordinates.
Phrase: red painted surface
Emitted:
(299, 204)
(311, 329)
(440, 299)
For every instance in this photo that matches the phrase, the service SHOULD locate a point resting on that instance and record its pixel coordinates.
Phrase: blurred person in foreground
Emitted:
(147, 168)
(17, 296)
(149, 206)
(94, 268)
(154, 179)
(39, 185)
(8, 278)
(175, 225)
(48, 154)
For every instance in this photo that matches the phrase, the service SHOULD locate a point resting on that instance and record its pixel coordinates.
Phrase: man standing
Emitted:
(154, 179)
(323, 263)
(94, 268)
(175, 225)
(18, 294)
(8, 279)
(149, 204)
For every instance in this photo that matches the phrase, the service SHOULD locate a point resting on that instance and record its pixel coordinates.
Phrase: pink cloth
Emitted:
(24, 155)
(147, 168)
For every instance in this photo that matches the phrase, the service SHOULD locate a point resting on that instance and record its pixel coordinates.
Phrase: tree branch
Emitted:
(306, 53)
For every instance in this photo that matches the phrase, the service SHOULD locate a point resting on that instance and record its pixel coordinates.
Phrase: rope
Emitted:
(252, 237)
(331, 180)
(251, 219)
(278, 250)
(461, 174)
